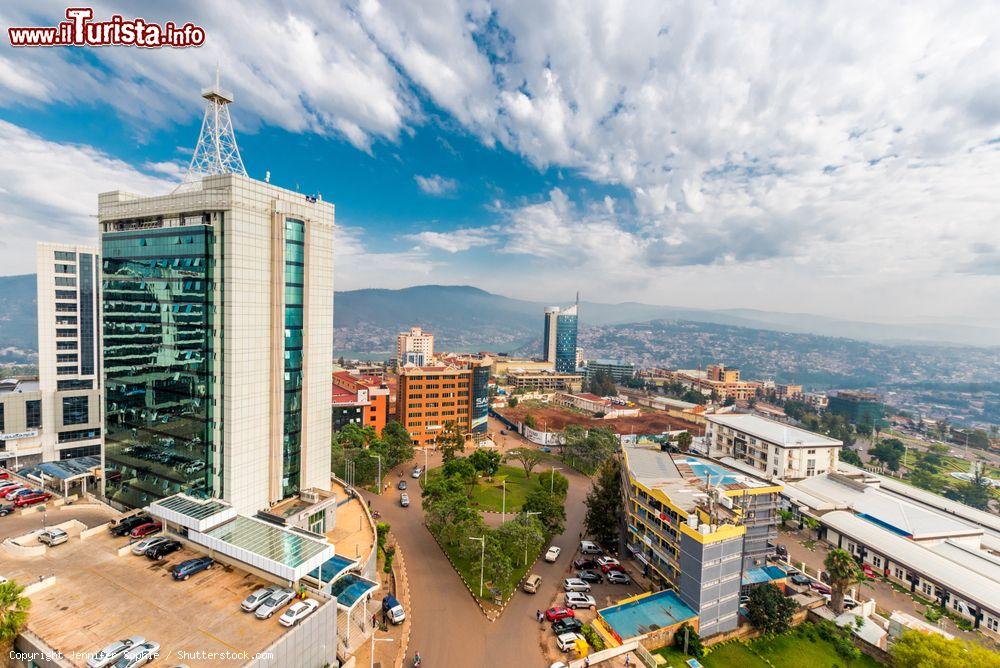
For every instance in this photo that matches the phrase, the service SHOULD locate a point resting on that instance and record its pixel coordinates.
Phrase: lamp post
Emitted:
(374, 640)
(503, 506)
(529, 514)
(552, 482)
(379, 481)
(482, 562)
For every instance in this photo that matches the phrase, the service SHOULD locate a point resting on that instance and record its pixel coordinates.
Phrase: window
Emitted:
(900, 575)
(63, 255)
(33, 412)
(79, 435)
(66, 370)
(83, 451)
(75, 385)
(69, 357)
(65, 294)
(927, 588)
(65, 333)
(317, 522)
(65, 268)
(66, 281)
(992, 624)
(65, 345)
(76, 410)
(1, 417)
(63, 307)
(877, 561)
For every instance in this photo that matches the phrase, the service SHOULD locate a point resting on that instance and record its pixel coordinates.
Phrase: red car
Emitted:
(4, 475)
(607, 568)
(31, 499)
(145, 529)
(558, 612)
(820, 587)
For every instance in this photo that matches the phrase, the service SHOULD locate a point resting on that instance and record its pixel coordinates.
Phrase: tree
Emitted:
(521, 537)
(355, 436)
(512, 402)
(602, 384)
(684, 440)
(604, 504)
(451, 441)
(976, 492)
(462, 469)
(929, 650)
(550, 508)
(693, 640)
(486, 462)
(843, 572)
(528, 457)
(397, 444)
(890, 452)
(13, 611)
(851, 456)
(587, 449)
(529, 421)
(769, 610)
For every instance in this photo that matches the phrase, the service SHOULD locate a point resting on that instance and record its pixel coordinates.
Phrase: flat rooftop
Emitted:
(773, 431)
(646, 614)
(99, 597)
(683, 478)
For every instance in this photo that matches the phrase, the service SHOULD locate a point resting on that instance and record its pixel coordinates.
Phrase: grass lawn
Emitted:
(469, 570)
(488, 495)
(788, 649)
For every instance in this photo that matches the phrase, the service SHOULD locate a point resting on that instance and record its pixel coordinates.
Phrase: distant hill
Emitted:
(468, 318)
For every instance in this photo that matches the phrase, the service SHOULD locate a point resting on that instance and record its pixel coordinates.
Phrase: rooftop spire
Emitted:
(216, 152)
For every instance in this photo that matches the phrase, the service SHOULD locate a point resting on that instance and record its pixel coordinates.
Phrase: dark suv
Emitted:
(585, 564)
(124, 527)
(161, 550)
(566, 625)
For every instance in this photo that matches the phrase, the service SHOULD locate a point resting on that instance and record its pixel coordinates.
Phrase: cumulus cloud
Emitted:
(436, 185)
(358, 267)
(454, 241)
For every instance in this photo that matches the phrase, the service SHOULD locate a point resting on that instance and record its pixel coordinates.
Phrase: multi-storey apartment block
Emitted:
(774, 448)
(429, 397)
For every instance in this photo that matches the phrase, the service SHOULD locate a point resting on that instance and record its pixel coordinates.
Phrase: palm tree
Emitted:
(843, 572)
(13, 611)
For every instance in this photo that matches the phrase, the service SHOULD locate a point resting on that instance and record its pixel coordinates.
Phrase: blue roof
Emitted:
(649, 613)
(329, 571)
(350, 588)
(64, 469)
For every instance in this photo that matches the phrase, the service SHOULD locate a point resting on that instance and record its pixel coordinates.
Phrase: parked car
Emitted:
(416, 472)
(139, 656)
(146, 529)
(20, 491)
(566, 625)
(404, 500)
(186, 569)
(849, 601)
(6, 510)
(820, 587)
(4, 475)
(143, 545)
(53, 536)
(590, 576)
(605, 560)
(801, 579)
(393, 609)
(567, 641)
(781, 551)
(401, 485)
(558, 612)
(552, 554)
(9, 487)
(129, 523)
(619, 578)
(273, 603)
(111, 653)
(253, 601)
(531, 583)
(577, 600)
(585, 563)
(590, 547)
(575, 584)
(32, 499)
(298, 612)
(160, 550)
(610, 568)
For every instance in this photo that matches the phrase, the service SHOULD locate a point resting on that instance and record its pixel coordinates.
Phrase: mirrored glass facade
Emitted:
(157, 288)
(566, 344)
(291, 453)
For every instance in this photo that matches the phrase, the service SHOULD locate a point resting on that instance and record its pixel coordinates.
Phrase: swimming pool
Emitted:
(647, 614)
(718, 475)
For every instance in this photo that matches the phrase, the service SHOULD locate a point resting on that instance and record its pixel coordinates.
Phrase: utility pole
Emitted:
(482, 562)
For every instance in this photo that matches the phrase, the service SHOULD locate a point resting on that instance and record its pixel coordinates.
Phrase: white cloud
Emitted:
(357, 266)
(436, 185)
(454, 241)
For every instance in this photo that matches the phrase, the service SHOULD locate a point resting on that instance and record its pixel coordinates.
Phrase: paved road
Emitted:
(448, 629)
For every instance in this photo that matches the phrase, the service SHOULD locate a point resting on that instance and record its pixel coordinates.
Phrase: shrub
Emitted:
(695, 648)
(592, 637)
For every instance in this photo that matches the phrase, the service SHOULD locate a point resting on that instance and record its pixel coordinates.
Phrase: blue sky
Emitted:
(835, 160)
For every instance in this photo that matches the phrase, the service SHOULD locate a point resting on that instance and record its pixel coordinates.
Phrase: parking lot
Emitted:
(99, 597)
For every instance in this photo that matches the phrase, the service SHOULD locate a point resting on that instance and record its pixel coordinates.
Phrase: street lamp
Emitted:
(552, 482)
(503, 507)
(374, 640)
(529, 514)
(379, 458)
(482, 562)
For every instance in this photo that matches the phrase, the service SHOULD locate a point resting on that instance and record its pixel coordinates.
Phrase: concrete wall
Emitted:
(310, 644)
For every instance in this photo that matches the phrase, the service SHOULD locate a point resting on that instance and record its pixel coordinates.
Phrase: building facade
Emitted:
(618, 370)
(857, 407)
(218, 343)
(545, 382)
(414, 347)
(566, 353)
(69, 353)
(774, 448)
(697, 526)
(428, 398)
(20, 422)
(371, 391)
(550, 327)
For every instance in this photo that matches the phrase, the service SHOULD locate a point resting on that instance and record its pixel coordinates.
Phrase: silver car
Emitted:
(253, 601)
(143, 545)
(108, 655)
(139, 656)
(53, 536)
(578, 600)
(274, 602)
(575, 584)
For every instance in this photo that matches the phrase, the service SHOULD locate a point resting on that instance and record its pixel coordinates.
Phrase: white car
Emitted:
(274, 602)
(575, 584)
(139, 656)
(575, 599)
(567, 641)
(53, 536)
(146, 543)
(604, 561)
(558, 664)
(253, 601)
(552, 554)
(108, 655)
(417, 472)
(298, 612)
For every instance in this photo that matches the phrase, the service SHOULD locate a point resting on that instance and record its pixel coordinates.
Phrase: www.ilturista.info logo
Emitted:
(80, 30)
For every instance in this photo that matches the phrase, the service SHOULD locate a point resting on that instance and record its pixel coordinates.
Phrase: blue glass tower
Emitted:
(566, 326)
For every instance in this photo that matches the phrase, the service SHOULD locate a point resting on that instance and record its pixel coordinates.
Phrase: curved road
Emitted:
(448, 628)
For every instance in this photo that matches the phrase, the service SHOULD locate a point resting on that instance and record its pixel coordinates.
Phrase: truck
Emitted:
(393, 609)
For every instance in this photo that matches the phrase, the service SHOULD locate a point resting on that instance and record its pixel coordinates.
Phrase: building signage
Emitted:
(19, 435)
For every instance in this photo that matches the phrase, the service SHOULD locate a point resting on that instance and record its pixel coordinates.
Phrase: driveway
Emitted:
(448, 627)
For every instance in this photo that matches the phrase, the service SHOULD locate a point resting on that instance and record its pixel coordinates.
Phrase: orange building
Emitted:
(429, 397)
(371, 391)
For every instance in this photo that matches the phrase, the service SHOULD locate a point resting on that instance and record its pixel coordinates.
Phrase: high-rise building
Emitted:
(414, 347)
(428, 398)
(559, 337)
(857, 407)
(218, 335)
(618, 370)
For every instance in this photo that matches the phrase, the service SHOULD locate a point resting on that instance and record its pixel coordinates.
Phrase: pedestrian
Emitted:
(538, 616)
(628, 660)
(586, 662)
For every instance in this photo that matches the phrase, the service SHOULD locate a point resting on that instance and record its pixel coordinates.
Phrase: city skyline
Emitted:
(807, 166)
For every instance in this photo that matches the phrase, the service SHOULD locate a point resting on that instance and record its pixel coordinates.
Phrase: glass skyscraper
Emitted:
(566, 326)
(294, 282)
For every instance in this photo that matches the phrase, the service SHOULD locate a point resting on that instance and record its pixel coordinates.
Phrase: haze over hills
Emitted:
(468, 318)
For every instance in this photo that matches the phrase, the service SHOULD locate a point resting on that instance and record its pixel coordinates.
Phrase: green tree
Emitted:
(552, 514)
(976, 493)
(529, 458)
(13, 611)
(687, 634)
(602, 384)
(512, 402)
(397, 444)
(851, 456)
(451, 441)
(486, 461)
(587, 449)
(684, 440)
(769, 610)
(462, 469)
(890, 452)
(353, 436)
(522, 537)
(929, 650)
(843, 572)
(604, 504)
(529, 421)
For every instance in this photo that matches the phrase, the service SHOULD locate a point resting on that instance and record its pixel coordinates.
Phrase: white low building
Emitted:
(777, 450)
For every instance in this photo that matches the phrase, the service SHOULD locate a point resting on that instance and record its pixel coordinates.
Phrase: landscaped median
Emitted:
(487, 492)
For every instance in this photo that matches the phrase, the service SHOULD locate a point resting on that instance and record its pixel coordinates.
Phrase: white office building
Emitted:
(774, 449)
